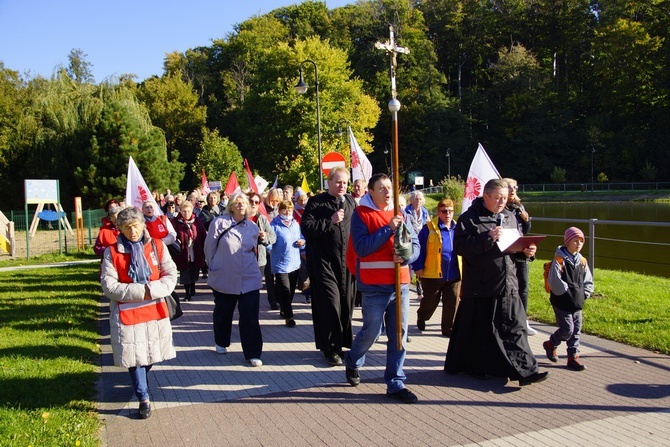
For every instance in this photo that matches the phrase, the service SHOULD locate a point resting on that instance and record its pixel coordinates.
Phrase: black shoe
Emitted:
(404, 395)
(421, 324)
(534, 378)
(290, 322)
(274, 306)
(333, 359)
(187, 297)
(145, 410)
(353, 377)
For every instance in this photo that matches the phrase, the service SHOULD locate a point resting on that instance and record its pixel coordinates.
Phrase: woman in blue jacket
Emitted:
(285, 258)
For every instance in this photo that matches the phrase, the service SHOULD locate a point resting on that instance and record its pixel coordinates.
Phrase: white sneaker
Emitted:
(256, 362)
(221, 350)
(531, 331)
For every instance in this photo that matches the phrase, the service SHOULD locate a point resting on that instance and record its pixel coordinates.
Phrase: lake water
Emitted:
(643, 249)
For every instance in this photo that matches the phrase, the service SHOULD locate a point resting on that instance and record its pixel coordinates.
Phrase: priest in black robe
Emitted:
(326, 224)
(490, 335)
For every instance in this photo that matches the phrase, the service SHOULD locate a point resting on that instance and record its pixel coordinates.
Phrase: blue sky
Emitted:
(119, 37)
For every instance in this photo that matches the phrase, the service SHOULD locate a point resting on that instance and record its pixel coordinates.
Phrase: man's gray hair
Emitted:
(129, 216)
(494, 184)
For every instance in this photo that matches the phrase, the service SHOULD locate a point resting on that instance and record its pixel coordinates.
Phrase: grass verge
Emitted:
(626, 307)
(49, 348)
(49, 258)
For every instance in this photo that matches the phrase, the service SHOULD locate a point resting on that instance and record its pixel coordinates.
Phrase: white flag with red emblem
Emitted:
(137, 191)
(360, 165)
(481, 171)
(204, 184)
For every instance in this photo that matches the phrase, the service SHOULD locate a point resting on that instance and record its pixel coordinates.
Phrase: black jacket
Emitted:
(486, 270)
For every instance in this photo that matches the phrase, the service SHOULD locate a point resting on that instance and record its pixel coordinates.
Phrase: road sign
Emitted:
(332, 160)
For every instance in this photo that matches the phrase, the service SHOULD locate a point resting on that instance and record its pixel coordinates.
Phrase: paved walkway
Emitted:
(204, 399)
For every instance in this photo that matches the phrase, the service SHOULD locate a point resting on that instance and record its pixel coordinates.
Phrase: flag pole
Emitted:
(394, 105)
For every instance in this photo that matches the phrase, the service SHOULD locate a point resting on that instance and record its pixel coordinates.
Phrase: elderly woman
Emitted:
(158, 225)
(285, 258)
(136, 274)
(191, 239)
(272, 200)
(211, 210)
(266, 235)
(230, 252)
(109, 232)
(418, 217)
(437, 266)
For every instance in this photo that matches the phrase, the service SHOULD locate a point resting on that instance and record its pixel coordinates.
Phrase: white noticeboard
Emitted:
(41, 191)
(418, 180)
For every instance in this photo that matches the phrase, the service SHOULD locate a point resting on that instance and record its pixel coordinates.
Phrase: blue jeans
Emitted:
(138, 374)
(379, 308)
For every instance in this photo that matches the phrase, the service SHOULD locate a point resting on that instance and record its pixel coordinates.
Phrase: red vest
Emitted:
(157, 229)
(378, 267)
(143, 311)
(108, 235)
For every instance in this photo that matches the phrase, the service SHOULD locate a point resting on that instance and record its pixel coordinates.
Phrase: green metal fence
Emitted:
(48, 238)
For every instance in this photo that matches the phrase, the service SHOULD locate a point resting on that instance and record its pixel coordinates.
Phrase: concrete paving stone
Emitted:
(295, 399)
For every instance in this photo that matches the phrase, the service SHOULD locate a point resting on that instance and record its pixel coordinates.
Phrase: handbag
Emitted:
(174, 307)
(402, 241)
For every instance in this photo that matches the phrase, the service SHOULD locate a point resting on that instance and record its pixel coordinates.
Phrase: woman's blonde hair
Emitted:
(238, 196)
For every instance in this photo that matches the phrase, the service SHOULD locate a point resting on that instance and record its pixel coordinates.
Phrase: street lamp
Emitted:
(448, 154)
(301, 87)
(593, 151)
(387, 149)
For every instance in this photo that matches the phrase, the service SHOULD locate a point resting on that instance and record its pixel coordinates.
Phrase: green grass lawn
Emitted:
(49, 351)
(49, 258)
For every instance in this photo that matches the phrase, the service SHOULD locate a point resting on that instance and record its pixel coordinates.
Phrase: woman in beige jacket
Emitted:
(137, 273)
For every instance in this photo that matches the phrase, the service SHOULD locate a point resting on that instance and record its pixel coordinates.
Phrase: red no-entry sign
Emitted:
(332, 160)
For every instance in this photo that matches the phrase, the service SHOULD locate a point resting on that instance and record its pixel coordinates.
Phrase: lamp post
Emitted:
(593, 151)
(448, 154)
(387, 149)
(301, 87)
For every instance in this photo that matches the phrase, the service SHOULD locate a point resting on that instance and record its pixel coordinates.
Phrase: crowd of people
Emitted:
(341, 250)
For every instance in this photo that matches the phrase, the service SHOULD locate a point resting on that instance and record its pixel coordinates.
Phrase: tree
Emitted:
(125, 130)
(79, 69)
(174, 107)
(218, 157)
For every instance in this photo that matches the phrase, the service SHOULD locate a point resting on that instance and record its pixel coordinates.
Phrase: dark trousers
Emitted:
(266, 271)
(285, 284)
(433, 291)
(522, 278)
(250, 328)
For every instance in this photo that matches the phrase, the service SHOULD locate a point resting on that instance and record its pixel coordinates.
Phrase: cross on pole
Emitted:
(392, 50)
(394, 105)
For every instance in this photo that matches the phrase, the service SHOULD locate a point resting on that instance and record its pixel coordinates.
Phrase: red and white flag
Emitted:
(254, 187)
(481, 171)
(204, 184)
(233, 185)
(361, 168)
(137, 191)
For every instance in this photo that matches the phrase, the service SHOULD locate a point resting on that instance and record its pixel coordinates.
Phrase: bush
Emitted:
(558, 175)
(602, 178)
(453, 188)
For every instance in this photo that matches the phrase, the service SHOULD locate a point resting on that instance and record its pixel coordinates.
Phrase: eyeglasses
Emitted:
(513, 188)
(201, 201)
(254, 202)
(445, 211)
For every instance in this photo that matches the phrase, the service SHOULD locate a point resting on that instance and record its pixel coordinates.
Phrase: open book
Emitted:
(513, 242)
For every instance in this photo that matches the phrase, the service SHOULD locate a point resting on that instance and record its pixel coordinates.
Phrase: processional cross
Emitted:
(394, 105)
(392, 50)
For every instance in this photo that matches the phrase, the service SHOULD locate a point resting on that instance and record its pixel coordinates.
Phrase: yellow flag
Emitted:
(305, 185)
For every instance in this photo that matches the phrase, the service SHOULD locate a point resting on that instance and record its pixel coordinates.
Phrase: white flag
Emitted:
(360, 165)
(137, 191)
(481, 171)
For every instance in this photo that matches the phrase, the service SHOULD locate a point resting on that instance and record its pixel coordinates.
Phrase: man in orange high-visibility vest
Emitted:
(372, 228)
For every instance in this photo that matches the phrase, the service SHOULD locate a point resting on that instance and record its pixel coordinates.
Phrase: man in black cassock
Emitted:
(326, 224)
(490, 335)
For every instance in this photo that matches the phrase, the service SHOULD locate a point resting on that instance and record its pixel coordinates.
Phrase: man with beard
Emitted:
(325, 224)
(490, 336)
